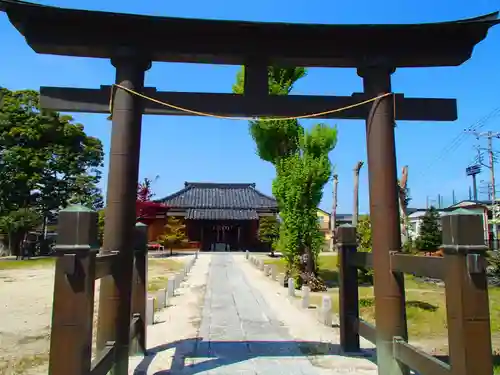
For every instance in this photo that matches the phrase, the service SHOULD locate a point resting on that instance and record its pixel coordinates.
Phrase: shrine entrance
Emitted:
(125, 39)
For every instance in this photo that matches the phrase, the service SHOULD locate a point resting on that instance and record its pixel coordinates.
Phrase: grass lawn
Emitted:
(425, 304)
(10, 263)
(159, 270)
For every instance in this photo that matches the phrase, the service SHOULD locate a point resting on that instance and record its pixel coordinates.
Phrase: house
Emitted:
(480, 207)
(218, 216)
(324, 222)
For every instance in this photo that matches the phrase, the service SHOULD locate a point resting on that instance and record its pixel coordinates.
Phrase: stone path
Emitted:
(240, 331)
(244, 328)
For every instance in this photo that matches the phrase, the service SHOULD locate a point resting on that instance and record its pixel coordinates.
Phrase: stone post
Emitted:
(170, 288)
(305, 296)
(467, 303)
(348, 290)
(326, 311)
(150, 311)
(291, 287)
(73, 302)
(273, 271)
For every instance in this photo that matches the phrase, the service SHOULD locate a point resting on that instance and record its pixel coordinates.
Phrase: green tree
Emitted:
(100, 225)
(269, 230)
(175, 234)
(429, 237)
(302, 167)
(87, 193)
(46, 159)
(16, 224)
(364, 238)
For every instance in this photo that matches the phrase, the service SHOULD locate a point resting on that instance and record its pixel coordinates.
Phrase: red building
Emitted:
(219, 216)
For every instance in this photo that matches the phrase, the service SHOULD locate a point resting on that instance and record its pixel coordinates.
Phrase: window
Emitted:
(321, 219)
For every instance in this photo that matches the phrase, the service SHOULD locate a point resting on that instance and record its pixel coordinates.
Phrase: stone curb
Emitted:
(302, 299)
(161, 298)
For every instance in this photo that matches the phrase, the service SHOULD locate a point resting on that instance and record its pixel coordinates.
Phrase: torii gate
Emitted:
(374, 50)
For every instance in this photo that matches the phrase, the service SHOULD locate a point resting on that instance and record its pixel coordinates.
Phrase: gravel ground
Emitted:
(26, 311)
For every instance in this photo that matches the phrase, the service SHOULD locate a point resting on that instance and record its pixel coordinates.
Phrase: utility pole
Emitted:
(402, 194)
(489, 135)
(333, 216)
(355, 214)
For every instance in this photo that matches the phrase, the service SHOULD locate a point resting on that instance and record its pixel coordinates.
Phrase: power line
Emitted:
(489, 135)
(459, 139)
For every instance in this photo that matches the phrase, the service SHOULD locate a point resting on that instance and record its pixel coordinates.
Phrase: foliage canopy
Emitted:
(175, 234)
(300, 158)
(46, 160)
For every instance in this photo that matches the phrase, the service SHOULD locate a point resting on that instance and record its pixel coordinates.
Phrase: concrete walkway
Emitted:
(245, 328)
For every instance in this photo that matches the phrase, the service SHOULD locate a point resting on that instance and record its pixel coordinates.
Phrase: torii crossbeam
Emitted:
(233, 105)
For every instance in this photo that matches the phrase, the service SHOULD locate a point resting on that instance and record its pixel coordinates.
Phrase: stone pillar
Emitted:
(348, 289)
(390, 313)
(115, 292)
(467, 303)
(306, 291)
(73, 302)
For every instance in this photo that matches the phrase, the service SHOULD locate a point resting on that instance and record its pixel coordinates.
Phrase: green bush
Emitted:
(364, 234)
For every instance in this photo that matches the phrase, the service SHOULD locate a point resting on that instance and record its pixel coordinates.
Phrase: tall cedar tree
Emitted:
(429, 238)
(300, 159)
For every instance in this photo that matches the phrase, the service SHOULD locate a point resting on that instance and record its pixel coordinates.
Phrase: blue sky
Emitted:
(182, 149)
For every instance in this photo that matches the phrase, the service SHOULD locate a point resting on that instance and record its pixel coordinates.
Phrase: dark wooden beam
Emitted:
(97, 101)
(51, 30)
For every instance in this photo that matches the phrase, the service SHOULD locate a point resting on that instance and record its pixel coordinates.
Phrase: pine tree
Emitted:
(269, 230)
(430, 234)
(175, 234)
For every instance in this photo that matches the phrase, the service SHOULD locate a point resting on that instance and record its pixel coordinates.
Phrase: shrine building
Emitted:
(217, 216)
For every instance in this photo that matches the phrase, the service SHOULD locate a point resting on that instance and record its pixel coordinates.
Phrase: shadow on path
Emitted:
(218, 354)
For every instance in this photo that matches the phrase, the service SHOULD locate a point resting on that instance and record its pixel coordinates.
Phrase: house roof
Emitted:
(218, 201)
(471, 202)
(323, 211)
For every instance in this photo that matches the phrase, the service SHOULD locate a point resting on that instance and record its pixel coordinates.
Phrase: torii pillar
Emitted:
(390, 312)
(115, 293)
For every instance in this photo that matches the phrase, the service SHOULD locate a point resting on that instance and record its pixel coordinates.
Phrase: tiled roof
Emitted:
(220, 214)
(215, 195)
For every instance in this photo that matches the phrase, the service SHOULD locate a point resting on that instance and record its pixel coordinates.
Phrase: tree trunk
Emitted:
(333, 216)
(355, 213)
(402, 203)
(307, 272)
(10, 243)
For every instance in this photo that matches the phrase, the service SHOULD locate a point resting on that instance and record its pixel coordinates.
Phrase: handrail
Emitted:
(104, 361)
(104, 265)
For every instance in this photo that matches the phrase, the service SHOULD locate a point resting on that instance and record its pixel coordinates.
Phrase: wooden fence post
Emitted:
(467, 302)
(348, 289)
(73, 303)
(140, 285)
